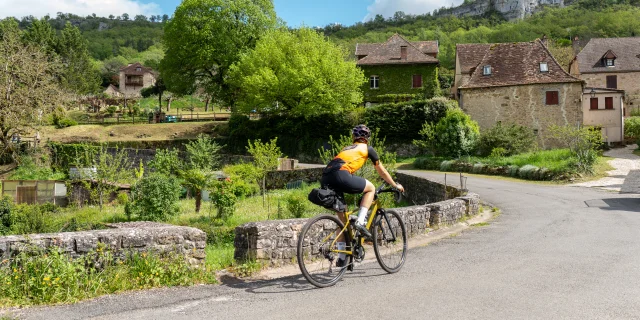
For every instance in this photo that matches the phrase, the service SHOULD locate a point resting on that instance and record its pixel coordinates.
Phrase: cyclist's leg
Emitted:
(367, 199)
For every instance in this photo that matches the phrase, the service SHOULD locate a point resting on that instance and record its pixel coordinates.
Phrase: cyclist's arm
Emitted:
(382, 171)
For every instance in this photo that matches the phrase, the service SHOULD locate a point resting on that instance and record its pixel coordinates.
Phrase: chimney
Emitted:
(403, 52)
(575, 44)
(544, 40)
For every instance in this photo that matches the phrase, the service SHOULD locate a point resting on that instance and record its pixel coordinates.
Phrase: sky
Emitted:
(295, 12)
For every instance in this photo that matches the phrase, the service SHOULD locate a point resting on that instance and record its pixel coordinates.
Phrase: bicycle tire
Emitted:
(314, 257)
(391, 253)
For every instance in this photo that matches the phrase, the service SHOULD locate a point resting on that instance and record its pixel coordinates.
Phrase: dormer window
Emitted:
(609, 62)
(486, 70)
(544, 67)
(138, 69)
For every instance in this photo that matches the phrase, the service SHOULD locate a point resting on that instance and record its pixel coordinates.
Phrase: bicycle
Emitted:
(317, 243)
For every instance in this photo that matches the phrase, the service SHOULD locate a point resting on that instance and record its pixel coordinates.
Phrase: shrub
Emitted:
(454, 135)
(224, 198)
(122, 198)
(154, 198)
(111, 110)
(585, 144)
(447, 165)
(28, 219)
(478, 168)
(513, 170)
(297, 204)
(498, 152)
(632, 128)
(166, 162)
(513, 139)
(528, 172)
(66, 122)
(6, 205)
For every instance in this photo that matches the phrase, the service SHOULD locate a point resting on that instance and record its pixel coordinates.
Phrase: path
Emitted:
(556, 252)
(625, 178)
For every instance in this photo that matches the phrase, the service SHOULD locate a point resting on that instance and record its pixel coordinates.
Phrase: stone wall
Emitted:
(275, 242)
(121, 238)
(524, 105)
(279, 179)
(422, 191)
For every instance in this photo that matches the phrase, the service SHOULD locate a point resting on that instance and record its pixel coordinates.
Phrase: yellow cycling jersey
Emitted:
(353, 157)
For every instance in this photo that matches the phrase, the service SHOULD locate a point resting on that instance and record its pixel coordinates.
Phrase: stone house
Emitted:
(398, 67)
(134, 78)
(517, 83)
(112, 91)
(612, 63)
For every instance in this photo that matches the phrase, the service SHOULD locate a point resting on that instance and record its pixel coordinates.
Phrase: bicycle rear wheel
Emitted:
(389, 240)
(316, 256)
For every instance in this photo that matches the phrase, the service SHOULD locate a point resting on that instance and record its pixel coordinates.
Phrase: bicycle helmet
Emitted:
(361, 132)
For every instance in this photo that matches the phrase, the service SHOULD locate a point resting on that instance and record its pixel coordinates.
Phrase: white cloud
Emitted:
(40, 8)
(387, 8)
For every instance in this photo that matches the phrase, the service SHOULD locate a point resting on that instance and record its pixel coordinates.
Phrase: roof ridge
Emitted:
(554, 60)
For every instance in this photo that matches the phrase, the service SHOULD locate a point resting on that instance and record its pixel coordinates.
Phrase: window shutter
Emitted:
(608, 103)
(552, 98)
(612, 82)
(417, 81)
(594, 104)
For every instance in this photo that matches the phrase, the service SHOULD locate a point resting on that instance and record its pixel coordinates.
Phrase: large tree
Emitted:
(205, 37)
(299, 72)
(29, 89)
(79, 75)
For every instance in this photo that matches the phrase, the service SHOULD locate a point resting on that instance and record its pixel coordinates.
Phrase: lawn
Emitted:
(129, 132)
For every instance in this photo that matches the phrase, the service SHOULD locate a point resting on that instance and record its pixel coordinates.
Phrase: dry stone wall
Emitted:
(275, 242)
(121, 238)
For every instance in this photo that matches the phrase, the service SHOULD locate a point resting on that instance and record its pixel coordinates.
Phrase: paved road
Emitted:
(555, 253)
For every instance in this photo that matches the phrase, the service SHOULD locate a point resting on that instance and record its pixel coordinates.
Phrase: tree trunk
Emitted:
(169, 104)
(206, 105)
(198, 200)
(160, 101)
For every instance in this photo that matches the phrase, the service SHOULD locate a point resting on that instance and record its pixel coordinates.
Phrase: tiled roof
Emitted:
(427, 47)
(518, 64)
(389, 53)
(470, 54)
(131, 69)
(626, 50)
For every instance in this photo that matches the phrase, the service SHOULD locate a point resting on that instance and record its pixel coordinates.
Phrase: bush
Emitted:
(447, 165)
(401, 122)
(585, 144)
(513, 170)
(154, 198)
(528, 172)
(513, 139)
(224, 198)
(297, 204)
(29, 219)
(66, 122)
(111, 110)
(454, 135)
(6, 205)
(632, 128)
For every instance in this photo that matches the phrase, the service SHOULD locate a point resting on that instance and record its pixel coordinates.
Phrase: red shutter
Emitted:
(612, 82)
(552, 98)
(608, 103)
(417, 81)
(594, 104)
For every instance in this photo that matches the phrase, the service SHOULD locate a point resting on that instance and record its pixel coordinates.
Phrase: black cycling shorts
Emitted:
(343, 181)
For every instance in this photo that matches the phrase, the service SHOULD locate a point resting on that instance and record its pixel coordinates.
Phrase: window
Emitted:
(403, 52)
(486, 70)
(612, 82)
(544, 67)
(594, 104)
(374, 82)
(608, 103)
(552, 98)
(609, 62)
(417, 81)
(138, 69)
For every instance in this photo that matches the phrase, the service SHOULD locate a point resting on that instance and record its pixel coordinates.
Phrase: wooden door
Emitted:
(26, 194)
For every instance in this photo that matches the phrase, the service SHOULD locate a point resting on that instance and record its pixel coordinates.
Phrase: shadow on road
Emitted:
(619, 204)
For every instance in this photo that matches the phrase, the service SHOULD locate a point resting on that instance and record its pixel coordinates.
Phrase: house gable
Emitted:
(625, 51)
(396, 50)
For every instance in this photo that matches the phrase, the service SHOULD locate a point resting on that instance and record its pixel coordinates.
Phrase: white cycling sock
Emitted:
(362, 215)
(342, 246)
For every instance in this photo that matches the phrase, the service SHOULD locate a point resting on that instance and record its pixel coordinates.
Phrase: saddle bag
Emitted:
(328, 199)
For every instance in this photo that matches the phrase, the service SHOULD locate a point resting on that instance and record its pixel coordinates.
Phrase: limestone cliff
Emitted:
(510, 9)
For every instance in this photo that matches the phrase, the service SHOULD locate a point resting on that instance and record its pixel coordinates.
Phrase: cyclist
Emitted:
(338, 175)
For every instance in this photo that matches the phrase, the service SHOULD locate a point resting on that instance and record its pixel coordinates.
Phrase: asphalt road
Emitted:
(555, 252)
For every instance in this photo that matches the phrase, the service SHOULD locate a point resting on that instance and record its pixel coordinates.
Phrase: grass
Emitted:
(129, 132)
(479, 224)
(636, 152)
(554, 160)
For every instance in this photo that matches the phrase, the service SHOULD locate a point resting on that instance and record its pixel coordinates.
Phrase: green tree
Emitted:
(299, 72)
(154, 197)
(29, 87)
(41, 33)
(166, 162)
(202, 158)
(79, 75)
(265, 156)
(453, 136)
(205, 37)
(110, 168)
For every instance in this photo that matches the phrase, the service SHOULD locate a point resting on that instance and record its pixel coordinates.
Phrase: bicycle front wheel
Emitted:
(389, 240)
(316, 251)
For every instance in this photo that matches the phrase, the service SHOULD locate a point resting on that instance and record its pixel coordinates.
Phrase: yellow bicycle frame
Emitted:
(374, 209)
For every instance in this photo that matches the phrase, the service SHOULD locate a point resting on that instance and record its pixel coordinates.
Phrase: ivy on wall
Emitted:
(398, 79)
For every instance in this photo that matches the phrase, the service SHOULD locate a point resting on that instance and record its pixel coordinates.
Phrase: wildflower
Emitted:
(58, 278)
(15, 270)
(46, 278)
